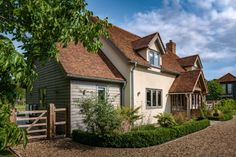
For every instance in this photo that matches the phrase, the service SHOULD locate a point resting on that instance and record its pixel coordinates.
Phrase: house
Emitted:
(134, 71)
(228, 83)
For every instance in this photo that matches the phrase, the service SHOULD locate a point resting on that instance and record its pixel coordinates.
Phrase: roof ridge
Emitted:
(145, 36)
(226, 75)
(189, 56)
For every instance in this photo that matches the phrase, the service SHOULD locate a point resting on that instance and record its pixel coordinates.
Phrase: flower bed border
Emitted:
(139, 138)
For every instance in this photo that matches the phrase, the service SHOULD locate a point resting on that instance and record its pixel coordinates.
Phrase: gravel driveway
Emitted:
(217, 140)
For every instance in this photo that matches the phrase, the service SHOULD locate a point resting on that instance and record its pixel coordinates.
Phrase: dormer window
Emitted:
(154, 58)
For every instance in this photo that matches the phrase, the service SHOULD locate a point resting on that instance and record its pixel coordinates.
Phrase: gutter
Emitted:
(94, 78)
(132, 82)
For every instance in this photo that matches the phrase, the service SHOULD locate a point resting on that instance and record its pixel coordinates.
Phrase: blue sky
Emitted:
(206, 27)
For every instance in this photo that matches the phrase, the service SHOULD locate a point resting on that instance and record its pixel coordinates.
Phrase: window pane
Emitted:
(151, 58)
(224, 88)
(101, 93)
(156, 59)
(154, 98)
(148, 97)
(159, 98)
(42, 96)
(230, 88)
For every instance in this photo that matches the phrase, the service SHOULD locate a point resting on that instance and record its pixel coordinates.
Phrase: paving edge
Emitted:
(14, 152)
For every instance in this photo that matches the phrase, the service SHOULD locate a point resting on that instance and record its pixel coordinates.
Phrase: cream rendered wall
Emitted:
(122, 65)
(150, 79)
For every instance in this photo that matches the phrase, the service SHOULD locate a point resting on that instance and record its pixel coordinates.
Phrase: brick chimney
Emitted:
(171, 47)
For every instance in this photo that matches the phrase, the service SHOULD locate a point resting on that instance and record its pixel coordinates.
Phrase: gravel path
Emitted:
(217, 140)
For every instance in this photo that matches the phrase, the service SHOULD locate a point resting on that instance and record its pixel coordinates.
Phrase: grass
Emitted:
(6, 153)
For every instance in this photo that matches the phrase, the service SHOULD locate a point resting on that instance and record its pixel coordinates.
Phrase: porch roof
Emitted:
(187, 81)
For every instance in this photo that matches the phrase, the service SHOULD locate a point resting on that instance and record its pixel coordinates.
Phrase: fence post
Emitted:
(67, 126)
(13, 115)
(51, 120)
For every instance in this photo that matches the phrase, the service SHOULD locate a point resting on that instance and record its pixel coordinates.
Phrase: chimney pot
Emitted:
(171, 47)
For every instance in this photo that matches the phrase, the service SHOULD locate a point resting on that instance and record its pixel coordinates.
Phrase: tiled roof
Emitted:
(122, 39)
(185, 82)
(77, 61)
(187, 61)
(169, 62)
(227, 78)
(125, 42)
(142, 42)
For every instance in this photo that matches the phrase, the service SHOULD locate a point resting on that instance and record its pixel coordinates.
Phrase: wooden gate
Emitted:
(40, 124)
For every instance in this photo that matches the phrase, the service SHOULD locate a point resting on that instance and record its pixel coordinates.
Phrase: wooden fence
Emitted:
(40, 124)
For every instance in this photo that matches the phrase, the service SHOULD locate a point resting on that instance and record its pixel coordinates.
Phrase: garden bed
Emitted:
(139, 137)
(224, 117)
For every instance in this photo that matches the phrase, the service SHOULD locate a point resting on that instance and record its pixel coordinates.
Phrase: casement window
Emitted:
(101, 93)
(154, 58)
(42, 96)
(153, 98)
(229, 88)
(224, 88)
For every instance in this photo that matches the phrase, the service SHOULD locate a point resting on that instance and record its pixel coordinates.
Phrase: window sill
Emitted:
(153, 107)
(157, 67)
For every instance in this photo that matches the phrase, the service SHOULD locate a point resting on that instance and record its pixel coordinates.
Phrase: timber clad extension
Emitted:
(129, 70)
(228, 83)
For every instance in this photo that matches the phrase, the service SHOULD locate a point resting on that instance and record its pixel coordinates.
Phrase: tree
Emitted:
(41, 26)
(215, 90)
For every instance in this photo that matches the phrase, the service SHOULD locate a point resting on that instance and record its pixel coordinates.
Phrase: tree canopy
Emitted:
(215, 90)
(40, 25)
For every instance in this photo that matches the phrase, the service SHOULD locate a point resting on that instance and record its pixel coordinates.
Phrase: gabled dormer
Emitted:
(150, 48)
(191, 62)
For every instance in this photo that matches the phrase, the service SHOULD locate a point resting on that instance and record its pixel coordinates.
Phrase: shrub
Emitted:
(165, 119)
(138, 138)
(10, 134)
(226, 105)
(180, 118)
(223, 117)
(144, 127)
(99, 116)
(128, 116)
(233, 112)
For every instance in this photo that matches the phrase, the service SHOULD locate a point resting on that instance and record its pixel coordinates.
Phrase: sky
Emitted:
(204, 27)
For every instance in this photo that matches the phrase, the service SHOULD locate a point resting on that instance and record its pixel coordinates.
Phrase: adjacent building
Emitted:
(228, 83)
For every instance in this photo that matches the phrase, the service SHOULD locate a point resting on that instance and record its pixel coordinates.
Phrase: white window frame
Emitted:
(157, 98)
(99, 88)
(155, 54)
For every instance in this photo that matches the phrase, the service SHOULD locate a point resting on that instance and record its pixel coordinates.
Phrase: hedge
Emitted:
(139, 138)
(224, 117)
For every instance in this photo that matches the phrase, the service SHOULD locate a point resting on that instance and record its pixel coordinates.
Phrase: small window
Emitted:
(42, 96)
(154, 58)
(224, 88)
(229, 88)
(149, 98)
(101, 91)
(154, 98)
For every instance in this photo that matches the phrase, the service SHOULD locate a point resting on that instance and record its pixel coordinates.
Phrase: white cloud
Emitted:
(209, 28)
